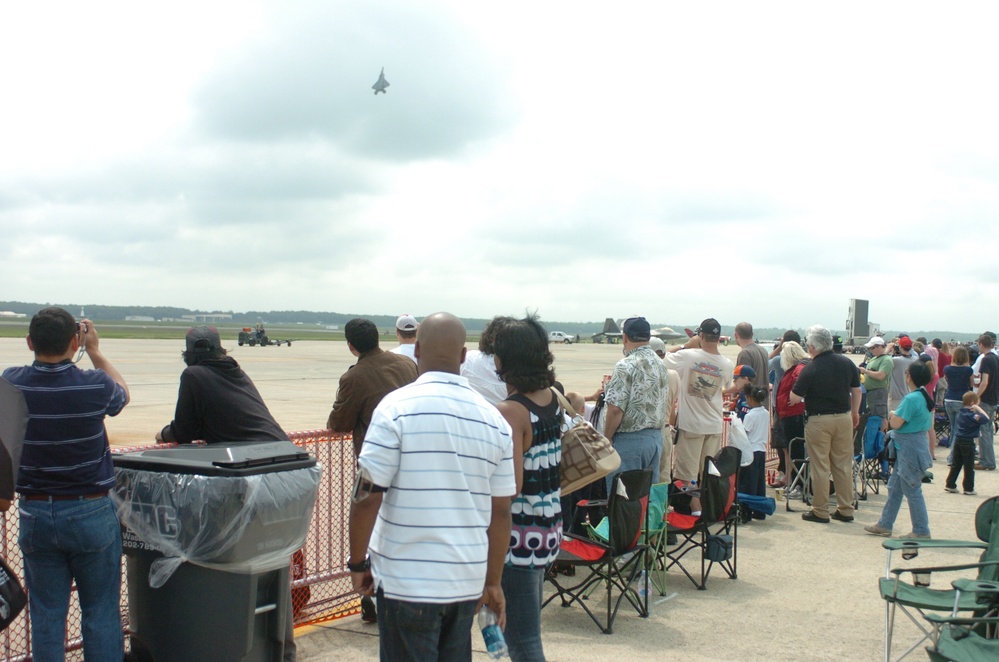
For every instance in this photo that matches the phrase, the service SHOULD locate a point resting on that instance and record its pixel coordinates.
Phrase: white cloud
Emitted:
(764, 162)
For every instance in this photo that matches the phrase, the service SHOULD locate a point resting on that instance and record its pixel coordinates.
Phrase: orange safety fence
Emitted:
(321, 586)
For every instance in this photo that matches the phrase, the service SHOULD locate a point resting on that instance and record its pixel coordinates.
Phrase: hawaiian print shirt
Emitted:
(640, 386)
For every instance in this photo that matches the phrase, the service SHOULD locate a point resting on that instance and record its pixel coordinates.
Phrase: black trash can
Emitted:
(208, 533)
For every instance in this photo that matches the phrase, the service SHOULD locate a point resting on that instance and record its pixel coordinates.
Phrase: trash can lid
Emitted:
(240, 459)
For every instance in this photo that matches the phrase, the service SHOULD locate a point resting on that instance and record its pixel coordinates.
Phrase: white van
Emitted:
(558, 336)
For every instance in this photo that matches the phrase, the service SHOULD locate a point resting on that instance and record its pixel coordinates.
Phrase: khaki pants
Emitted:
(829, 441)
(690, 451)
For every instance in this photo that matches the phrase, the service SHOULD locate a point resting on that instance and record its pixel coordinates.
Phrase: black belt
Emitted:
(63, 497)
(838, 413)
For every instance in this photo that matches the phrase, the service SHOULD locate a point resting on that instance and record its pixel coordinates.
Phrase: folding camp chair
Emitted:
(803, 480)
(874, 466)
(715, 532)
(654, 536)
(968, 638)
(918, 598)
(941, 426)
(616, 563)
(798, 466)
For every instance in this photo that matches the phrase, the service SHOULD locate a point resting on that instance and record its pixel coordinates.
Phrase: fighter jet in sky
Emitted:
(381, 83)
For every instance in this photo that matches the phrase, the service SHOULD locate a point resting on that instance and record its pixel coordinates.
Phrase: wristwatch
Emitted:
(363, 566)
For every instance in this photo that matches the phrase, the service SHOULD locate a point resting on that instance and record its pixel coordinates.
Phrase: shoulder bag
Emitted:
(12, 596)
(587, 455)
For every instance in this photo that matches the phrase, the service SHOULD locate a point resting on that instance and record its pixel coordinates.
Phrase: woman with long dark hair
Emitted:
(524, 362)
(910, 422)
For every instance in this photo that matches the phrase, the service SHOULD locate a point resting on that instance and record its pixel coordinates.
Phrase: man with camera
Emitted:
(69, 530)
(877, 374)
(902, 358)
(704, 376)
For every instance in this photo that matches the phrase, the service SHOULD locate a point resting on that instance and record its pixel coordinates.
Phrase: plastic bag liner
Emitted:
(246, 524)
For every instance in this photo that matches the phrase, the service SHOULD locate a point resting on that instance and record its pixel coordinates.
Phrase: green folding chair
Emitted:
(654, 536)
(964, 638)
(916, 598)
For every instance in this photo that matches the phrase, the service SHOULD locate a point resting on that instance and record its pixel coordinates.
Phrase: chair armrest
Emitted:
(947, 619)
(902, 544)
(945, 568)
(966, 585)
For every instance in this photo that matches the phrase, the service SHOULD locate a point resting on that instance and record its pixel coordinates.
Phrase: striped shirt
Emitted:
(66, 445)
(444, 453)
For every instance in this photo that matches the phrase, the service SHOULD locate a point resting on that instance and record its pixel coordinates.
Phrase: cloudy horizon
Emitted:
(765, 162)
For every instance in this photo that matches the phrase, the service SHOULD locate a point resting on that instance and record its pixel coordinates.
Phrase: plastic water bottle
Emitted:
(492, 634)
(641, 586)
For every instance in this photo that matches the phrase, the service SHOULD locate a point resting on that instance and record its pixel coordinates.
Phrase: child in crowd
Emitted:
(958, 375)
(752, 478)
(969, 419)
(742, 376)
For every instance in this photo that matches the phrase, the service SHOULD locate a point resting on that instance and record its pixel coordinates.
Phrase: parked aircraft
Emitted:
(666, 333)
(611, 332)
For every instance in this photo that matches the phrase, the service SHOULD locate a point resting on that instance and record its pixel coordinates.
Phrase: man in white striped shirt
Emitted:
(432, 505)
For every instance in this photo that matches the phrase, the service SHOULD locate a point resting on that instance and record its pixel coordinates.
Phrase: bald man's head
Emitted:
(440, 344)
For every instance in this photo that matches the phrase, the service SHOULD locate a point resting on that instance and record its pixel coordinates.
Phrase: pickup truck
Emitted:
(558, 336)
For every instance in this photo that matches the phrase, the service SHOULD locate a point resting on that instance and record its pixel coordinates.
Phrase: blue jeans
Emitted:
(640, 449)
(913, 493)
(63, 541)
(986, 451)
(523, 590)
(952, 407)
(421, 631)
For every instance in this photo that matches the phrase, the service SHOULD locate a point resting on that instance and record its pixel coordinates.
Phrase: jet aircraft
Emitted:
(381, 83)
(611, 332)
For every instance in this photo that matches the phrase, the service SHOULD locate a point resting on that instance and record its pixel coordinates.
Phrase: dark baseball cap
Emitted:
(203, 339)
(637, 328)
(710, 327)
(743, 370)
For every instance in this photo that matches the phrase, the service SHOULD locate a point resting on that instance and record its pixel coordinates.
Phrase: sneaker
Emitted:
(952, 490)
(810, 516)
(793, 493)
(842, 518)
(878, 530)
(912, 535)
(969, 493)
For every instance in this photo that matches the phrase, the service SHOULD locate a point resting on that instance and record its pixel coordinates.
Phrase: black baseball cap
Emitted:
(203, 339)
(710, 327)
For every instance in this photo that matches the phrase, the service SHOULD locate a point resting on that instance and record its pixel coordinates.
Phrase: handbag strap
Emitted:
(565, 403)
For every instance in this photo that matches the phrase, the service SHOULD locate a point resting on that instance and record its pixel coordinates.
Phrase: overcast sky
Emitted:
(749, 161)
